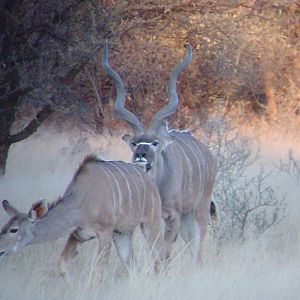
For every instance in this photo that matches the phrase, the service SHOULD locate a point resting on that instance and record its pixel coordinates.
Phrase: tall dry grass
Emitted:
(263, 268)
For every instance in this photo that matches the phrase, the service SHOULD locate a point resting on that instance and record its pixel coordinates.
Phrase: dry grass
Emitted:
(267, 268)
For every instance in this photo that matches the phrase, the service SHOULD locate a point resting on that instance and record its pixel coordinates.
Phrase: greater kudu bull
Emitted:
(106, 200)
(183, 167)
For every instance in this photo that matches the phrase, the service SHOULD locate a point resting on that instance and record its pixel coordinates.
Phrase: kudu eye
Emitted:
(13, 230)
(155, 143)
(133, 144)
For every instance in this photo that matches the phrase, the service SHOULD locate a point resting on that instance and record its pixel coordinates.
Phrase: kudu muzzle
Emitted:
(144, 155)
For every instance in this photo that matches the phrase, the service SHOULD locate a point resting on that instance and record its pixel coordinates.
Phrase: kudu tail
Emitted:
(213, 211)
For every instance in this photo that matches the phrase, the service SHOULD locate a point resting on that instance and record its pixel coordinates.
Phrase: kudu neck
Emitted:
(158, 168)
(59, 221)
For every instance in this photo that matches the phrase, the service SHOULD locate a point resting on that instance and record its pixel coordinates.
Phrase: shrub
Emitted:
(247, 202)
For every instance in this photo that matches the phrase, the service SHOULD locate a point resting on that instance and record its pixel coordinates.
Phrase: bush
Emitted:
(291, 166)
(247, 203)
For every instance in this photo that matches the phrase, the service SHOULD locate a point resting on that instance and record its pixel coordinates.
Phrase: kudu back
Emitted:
(106, 200)
(184, 168)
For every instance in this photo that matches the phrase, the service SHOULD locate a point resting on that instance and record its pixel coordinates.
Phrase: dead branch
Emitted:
(32, 126)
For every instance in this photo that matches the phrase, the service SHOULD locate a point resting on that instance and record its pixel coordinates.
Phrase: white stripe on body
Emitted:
(190, 179)
(127, 183)
(144, 186)
(203, 172)
(195, 156)
(152, 208)
(109, 180)
(200, 158)
(136, 187)
(118, 188)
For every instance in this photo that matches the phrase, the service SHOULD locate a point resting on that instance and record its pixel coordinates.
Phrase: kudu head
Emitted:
(17, 232)
(147, 144)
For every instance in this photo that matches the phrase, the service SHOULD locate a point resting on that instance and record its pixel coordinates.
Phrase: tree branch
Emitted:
(70, 76)
(32, 126)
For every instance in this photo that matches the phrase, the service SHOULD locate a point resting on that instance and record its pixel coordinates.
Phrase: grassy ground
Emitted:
(264, 268)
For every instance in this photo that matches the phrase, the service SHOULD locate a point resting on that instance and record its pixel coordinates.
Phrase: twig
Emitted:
(97, 93)
(32, 126)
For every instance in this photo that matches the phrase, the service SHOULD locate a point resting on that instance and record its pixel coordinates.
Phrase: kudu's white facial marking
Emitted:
(16, 233)
(184, 171)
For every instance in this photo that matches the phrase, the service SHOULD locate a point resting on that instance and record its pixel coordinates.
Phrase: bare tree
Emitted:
(6, 121)
(44, 47)
(246, 201)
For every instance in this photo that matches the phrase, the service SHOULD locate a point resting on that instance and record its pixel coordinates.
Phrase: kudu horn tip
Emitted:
(188, 46)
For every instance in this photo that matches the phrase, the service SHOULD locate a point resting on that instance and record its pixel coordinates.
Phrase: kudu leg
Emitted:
(123, 244)
(202, 218)
(104, 245)
(69, 252)
(172, 225)
(190, 232)
(202, 221)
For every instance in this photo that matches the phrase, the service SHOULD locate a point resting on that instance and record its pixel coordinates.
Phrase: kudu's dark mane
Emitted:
(87, 159)
(185, 131)
(54, 203)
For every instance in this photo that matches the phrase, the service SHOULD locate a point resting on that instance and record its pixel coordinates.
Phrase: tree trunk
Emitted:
(4, 147)
(6, 139)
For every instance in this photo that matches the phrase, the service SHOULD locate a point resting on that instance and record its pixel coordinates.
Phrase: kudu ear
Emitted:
(38, 210)
(9, 208)
(164, 134)
(127, 138)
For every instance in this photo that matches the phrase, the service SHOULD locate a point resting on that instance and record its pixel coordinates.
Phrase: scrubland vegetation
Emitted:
(240, 95)
(255, 259)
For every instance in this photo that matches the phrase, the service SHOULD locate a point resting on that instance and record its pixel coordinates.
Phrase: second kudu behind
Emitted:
(183, 167)
(106, 200)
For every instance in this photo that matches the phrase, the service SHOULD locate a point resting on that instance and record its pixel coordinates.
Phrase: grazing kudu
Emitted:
(183, 167)
(105, 200)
